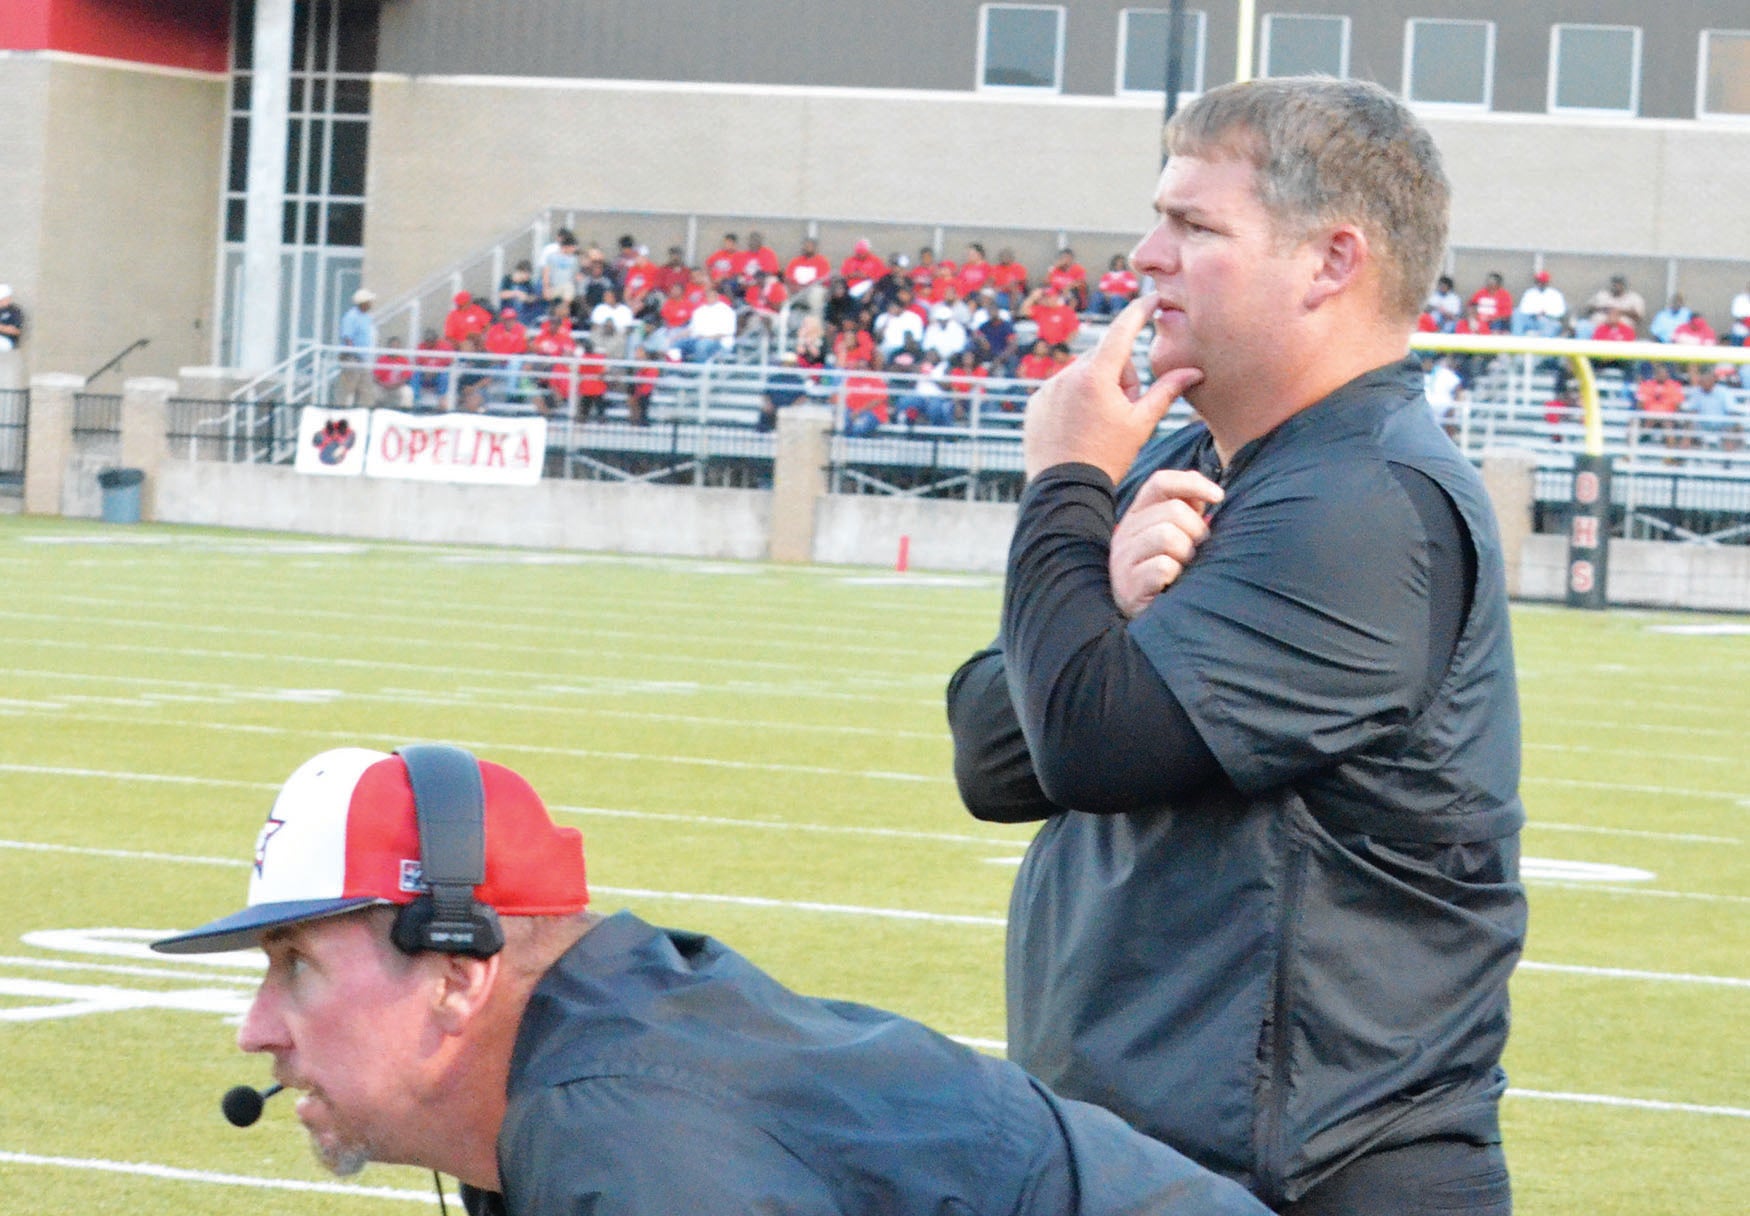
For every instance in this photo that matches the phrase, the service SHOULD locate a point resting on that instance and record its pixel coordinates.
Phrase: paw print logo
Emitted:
(334, 441)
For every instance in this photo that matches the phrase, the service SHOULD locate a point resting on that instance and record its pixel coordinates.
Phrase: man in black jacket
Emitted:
(1256, 678)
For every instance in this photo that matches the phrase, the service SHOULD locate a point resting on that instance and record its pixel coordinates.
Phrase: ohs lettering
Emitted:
(463, 448)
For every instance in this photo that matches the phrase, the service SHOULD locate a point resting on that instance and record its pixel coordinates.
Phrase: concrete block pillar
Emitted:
(12, 369)
(1509, 477)
(145, 418)
(799, 479)
(49, 440)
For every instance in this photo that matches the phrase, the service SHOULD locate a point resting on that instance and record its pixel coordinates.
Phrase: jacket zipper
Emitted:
(1273, 1151)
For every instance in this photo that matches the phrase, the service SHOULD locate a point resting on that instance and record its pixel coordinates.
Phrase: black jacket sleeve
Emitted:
(1087, 724)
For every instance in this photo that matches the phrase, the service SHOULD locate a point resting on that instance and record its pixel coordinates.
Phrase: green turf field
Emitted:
(760, 753)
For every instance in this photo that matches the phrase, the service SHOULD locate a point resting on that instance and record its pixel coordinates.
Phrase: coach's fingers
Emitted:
(1184, 484)
(1139, 585)
(1118, 343)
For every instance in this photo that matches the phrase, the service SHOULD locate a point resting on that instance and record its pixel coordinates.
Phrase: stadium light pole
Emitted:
(1248, 19)
(1175, 70)
(265, 186)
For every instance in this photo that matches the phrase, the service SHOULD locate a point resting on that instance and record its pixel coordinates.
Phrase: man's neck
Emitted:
(1245, 409)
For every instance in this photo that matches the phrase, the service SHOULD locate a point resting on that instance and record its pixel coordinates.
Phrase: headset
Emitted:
(449, 801)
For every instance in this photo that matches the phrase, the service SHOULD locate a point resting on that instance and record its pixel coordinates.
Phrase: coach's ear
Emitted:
(1340, 256)
(462, 987)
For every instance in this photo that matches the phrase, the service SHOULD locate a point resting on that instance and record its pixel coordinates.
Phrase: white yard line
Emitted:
(173, 1174)
(1688, 1108)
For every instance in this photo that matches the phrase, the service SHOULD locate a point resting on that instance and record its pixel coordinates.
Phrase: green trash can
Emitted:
(121, 495)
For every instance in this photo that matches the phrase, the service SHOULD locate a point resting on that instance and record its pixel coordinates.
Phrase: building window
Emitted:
(1142, 51)
(1020, 46)
(1595, 68)
(334, 48)
(1725, 74)
(1450, 63)
(1295, 45)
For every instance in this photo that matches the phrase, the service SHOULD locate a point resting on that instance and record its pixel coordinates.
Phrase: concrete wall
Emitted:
(583, 515)
(1647, 574)
(858, 529)
(109, 216)
(1644, 188)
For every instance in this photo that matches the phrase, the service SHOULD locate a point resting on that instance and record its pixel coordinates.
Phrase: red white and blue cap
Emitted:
(343, 835)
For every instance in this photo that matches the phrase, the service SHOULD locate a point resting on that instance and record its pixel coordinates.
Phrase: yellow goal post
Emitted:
(1579, 353)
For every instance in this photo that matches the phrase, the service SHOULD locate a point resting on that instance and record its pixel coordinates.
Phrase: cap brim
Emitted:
(243, 930)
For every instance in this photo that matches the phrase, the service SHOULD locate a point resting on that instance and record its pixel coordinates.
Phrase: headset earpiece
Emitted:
(449, 801)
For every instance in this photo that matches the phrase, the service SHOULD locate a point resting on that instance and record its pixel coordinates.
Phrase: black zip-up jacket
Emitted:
(1281, 935)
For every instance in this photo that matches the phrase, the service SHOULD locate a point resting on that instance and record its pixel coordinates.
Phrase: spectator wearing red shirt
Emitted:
(1493, 304)
(640, 277)
(966, 377)
(592, 384)
(1695, 332)
(642, 387)
(1615, 328)
(1057, 320)
(393, 372)
(1038, 363)
(550, 342)
(466, 319)
(974, 272)
(1660, 397)
(674, 276)
(806, 274)
(852, 345)
(724, 266)
(1069, 279)
(766, 297)
(861, 269)
(1117, 287)
(507, 336)
(1008, 278)
(758, 258)
(432, 363)
(866, 404)
(924, 274)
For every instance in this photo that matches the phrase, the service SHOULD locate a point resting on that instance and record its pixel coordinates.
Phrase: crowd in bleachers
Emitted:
(949, 327)
(921, 338)
(1682, 403)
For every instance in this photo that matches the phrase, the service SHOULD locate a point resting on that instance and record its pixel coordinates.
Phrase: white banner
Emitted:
(473, 448)
(332, 441)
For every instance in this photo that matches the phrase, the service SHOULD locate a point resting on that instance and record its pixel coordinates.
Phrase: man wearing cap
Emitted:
(1542, 311)
(358, 335)
(601, 1064)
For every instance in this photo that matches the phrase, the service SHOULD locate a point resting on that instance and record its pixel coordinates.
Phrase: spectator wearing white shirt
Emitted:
(945, 337)
(711, 331)
(1542, 311)
(1741, 316)
(610, 322)
(896, 326)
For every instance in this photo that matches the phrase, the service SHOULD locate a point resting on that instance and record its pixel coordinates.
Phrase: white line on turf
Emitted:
(173, 1174)
(1688, 1108)
(1641, 833)
(1625, 973)
(843, 829)
(754, 901)
(1602, 888)
(1631, 788)
(52, 770)
(156, 973)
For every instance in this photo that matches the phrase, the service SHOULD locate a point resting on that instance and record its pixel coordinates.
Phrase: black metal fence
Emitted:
(14, 438)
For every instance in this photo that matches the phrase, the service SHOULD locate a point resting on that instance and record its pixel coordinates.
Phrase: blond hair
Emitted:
(1332, 151)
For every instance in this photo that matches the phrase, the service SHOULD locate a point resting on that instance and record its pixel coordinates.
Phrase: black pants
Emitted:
(1430, 1178)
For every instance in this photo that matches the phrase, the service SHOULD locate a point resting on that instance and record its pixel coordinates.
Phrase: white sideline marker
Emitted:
(173, 1174)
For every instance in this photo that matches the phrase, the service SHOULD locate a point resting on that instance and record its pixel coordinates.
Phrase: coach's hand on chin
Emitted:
(1095, 411)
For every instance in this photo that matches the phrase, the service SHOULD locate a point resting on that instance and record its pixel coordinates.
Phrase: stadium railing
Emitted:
(1677, 477)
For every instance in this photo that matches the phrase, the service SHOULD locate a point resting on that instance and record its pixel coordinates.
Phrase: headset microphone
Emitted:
(242, 1104)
